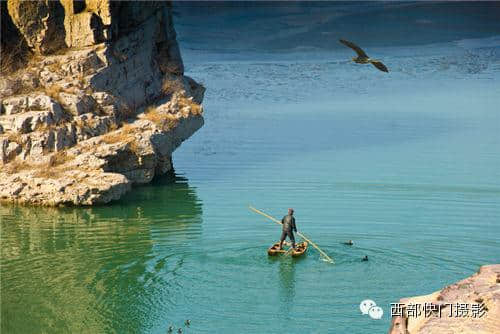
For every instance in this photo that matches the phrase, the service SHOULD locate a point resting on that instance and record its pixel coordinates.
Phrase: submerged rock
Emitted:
(469, 306)
(101, 104)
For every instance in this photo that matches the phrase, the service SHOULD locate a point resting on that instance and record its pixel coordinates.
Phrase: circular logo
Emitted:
(375, 312)
(366, 305)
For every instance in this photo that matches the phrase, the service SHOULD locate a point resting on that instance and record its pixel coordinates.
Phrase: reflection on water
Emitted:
(287, 283)
(406, 166)
(96, 269)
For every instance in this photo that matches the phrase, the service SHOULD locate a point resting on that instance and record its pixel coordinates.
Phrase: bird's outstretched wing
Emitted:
(380, 66)
(353, 46)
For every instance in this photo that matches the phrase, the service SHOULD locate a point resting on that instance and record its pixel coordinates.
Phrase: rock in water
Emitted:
(99, 102)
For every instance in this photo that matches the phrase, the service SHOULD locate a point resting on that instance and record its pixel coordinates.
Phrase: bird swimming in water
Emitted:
(179, 331)
(349, 243)
(187, 322)
(365, 258)
(170, 329)
(362, 57)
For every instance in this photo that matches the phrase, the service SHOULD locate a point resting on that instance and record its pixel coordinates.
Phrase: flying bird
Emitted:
(362, 57)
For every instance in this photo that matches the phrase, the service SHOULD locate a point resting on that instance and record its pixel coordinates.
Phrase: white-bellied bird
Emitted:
(362, 57)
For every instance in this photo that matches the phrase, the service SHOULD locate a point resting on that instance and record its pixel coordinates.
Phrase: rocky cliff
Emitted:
(469, 306)
(93, 99)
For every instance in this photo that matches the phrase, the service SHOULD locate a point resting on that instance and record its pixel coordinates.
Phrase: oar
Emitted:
(298, 233)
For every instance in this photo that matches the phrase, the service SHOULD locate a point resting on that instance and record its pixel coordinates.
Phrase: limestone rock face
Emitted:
(469, 306)
(101, 99)
(13, 48)
(39, 22)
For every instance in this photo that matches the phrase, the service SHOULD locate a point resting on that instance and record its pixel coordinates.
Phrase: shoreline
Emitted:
(85, 117)
(471, 305)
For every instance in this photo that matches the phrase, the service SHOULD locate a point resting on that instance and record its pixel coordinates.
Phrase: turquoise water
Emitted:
(405, 164)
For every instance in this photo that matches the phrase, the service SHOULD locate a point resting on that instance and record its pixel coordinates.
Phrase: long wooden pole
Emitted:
(329, 259)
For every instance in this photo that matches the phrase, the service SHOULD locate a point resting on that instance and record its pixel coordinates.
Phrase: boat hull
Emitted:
(300, 249)
(274, 250)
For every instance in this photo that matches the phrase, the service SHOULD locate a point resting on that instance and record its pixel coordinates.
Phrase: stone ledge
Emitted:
(481, 288)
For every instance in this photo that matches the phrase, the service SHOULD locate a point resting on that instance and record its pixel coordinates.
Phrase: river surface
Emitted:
(406, 164)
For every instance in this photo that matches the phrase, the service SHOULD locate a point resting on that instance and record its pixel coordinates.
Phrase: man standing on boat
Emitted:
(288, 223)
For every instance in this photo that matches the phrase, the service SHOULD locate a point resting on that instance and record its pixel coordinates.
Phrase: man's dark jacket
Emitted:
(289, 223)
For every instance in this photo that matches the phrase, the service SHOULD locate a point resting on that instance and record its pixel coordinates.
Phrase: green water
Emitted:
(406, 166)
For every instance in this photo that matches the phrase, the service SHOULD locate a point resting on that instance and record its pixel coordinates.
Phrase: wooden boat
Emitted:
(275, 250)
(300, 249)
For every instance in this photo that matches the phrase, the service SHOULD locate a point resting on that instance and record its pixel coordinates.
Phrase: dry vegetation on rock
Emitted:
(71, 108)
